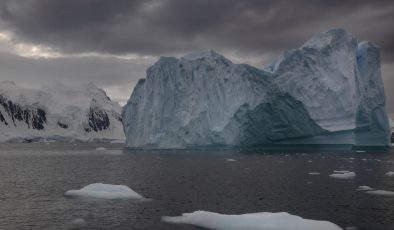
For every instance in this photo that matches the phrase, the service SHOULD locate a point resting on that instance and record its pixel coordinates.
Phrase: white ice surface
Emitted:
(250, 221)
(381, 193)
(389, 173)
(104, 191)
(364, 188)
(341, 174)
(230, 159)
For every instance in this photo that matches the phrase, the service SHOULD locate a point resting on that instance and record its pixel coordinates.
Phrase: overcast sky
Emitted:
(111, 43)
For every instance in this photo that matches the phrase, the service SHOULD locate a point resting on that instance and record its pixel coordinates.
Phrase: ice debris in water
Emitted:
(389, 173)
(101, 148)
(104, 191)
(314, 173)
(364, 188)
(78, 221)
(230, 159)
(250, 221)
(343, 174)
(381, 193)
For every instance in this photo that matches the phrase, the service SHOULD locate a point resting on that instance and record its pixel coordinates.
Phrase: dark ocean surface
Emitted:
(34, 177)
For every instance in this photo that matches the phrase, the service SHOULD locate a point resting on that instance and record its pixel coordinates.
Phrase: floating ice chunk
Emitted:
(104, 191)
(117, 142)
(389, 173)
(230, 159)
(350, 228)
(314, 173)
(342, 174)
(364, 188)
(381, 193)
(101, 148)
(78, 221)
(341, 171)
(250, 221)
(360, 151)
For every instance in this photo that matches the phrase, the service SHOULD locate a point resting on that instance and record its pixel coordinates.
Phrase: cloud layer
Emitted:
(156, 27)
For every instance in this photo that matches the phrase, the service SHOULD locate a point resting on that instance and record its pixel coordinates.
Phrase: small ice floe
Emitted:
(364, 188)
(117, 141)
(78, 222)
(309, 161)
(309, 182)
(104, 191)
(350, 228)
(389, 173)
(364, 159)
(231, 160)
(101, 148)
(360, 151)
(255, 221)
(381, 193)
(314, 173)
(343, 174)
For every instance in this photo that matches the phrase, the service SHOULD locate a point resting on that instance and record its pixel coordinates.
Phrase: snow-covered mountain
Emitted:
(329, 91)
(57, 112)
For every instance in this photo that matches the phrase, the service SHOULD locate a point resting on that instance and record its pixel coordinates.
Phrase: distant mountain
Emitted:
(329, 91)
(57, 112)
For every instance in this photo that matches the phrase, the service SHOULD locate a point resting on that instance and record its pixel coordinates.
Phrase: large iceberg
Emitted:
(328, 91)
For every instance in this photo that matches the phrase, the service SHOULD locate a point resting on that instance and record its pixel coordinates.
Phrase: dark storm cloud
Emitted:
(157, 27)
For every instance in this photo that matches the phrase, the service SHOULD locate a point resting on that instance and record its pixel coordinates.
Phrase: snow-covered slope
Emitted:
(57, 112)
(329, 91)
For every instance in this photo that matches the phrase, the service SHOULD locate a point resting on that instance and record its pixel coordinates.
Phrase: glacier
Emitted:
(328, 91)
(58, 112)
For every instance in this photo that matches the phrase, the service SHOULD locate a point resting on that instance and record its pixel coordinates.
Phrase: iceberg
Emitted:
(328, 91)
(104, 191)
(250, 221)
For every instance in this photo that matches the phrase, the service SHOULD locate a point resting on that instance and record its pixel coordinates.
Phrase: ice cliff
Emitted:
(328, 91)
(58, 112)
